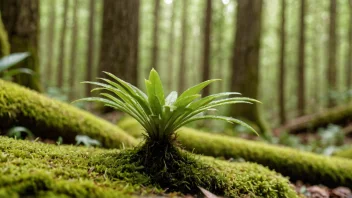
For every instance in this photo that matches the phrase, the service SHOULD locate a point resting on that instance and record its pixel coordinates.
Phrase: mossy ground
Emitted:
(37, 169)
(298, 165)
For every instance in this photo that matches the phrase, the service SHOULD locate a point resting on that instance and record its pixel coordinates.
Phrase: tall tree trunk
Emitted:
(155, 50)
(301, 62)
(61, 61)
(349, 51)
(316, 59)
(73, 63)
(170, 56)
(91, 46)
(50, 43)
(332, 67)
(21, 20)
(282, 66)
(245, 61)
(119, 44)
(220, 57)
(206, 45)
(4, 42)
(184, 29)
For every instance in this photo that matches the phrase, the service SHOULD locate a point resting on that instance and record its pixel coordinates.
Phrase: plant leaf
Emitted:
(12, 59)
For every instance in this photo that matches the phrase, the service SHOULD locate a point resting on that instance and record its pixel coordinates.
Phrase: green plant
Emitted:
(7, 62)
(161, 117)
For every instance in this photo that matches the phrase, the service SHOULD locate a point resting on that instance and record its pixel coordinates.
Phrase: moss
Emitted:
(336, 115)
(37, 169)
(345, 153)
(4, 42)
(49, 118)
(298, 165)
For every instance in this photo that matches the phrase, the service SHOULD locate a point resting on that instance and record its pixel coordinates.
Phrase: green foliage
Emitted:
(161, 116)
(19, 132)
(7, 62)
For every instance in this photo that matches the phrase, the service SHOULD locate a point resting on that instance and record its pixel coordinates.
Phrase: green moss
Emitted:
(336, 115)
(345, 153)
(4, 42)
(49, 118)
(37, 169)
(298, 165)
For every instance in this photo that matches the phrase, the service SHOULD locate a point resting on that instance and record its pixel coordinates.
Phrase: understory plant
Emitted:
(159, 156)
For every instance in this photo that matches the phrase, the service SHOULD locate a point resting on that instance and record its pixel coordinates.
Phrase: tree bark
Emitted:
(220, 60)
(282, 66)
(61, 61)
(155, 50)
(21, 20)
(332, 67)
(170, 56)
(119, 44)
(245, 61)
(349, 51)
(301, 61)
(91, 46)
(50, 43)
(73, 63)
(206, 45)
(184, 30)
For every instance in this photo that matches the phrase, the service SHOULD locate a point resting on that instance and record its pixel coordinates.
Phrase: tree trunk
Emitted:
(21, 20)
(61, 61)
(245, 61)
(155, 50)
(184, 29)
(282, 66)
(220, 60)
(4, 42)
(73, 63)
(170, 56)
(91, 46)
(206, 45)
(332, 67)
(119, 44)
(349, 52)
(301, 62)
(50, 43)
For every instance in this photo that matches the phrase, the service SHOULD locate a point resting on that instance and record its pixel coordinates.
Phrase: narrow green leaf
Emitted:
(196, 89)
(12, 59)
(158, 87)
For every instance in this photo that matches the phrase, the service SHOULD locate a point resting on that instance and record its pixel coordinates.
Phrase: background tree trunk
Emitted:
(73, 63)
(155, 50)
(21, 20)
(91, 46)
(220, 49)
(61, 61)
(206, 45)
(119, 44)
(184, 29)
(245, 61)
(282, 66)
(349, 51)
(301, 62)
(170, 56)
(332, 67)
(50, 41)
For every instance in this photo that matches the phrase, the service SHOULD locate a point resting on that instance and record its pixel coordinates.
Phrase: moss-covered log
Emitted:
(49, 118)
(298, 165)
(340, 115)
(37, 169)
(345, 153)
(4, 42)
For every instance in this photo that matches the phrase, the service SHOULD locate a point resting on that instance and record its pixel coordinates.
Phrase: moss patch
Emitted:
(4, 42)
(49, 118)
(298, 165)
(345, 153)
(37, 169)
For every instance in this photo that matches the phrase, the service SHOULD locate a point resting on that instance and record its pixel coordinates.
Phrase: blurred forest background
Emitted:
(293, 55)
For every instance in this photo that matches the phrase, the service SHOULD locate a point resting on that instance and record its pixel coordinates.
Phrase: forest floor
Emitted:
(303, 189)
